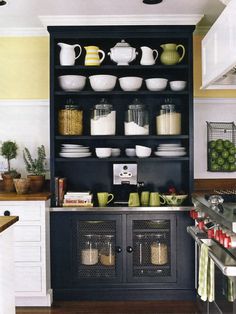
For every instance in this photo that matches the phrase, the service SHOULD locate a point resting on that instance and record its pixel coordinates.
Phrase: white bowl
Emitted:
(102, 82)
(178, 85)
(130, 152)
(72, 83)
(142, 151)
(103, 152)
(130, 83)
(115, 152)
(156, 84)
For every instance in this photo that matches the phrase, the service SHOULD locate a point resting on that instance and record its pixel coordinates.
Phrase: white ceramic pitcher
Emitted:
(67, 53)
(149, 56)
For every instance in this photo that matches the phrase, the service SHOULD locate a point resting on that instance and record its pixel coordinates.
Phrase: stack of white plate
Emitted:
(74, 151)
(170, 150)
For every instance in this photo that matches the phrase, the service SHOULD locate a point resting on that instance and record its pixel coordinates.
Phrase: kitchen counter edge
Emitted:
(121, 209)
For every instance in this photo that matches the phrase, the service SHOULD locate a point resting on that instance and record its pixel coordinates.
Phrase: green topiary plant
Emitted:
(9, 151)
(35, 166)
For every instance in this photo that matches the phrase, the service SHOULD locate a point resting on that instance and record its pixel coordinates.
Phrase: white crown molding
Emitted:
(23, 32)
(86, 20)
(147, 19)
(24, 102)
(214, 101)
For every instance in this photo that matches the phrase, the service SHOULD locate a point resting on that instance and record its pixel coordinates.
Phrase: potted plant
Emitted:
(36, 168)
(9, 151)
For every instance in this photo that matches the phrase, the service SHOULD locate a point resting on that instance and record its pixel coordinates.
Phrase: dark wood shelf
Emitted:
(123, 67)
(120, 92)
(122, 137)
(121, 159)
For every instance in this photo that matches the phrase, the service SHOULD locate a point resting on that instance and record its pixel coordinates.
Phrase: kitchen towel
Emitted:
(206, 283)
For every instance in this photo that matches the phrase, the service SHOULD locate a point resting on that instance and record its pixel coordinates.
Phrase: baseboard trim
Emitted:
(35, 301)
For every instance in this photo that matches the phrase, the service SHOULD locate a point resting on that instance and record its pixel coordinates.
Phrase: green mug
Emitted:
(156, 199)
(145, 198)
(134, 199)
(104, 198)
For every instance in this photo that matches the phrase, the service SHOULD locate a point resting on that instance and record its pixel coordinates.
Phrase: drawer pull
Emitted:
(7, 213)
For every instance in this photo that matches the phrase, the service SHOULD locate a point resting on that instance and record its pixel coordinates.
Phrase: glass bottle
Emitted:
(107, 253)
(89, 252)
(139, 250)
(70, 119)
(136, 119)
(103, 119)
(168, 121)
(159, 250)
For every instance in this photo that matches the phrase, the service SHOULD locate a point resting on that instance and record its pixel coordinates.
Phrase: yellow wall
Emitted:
(198, 75)
(24, 68)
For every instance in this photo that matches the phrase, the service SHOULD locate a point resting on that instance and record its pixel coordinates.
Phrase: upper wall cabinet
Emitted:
(219, 52)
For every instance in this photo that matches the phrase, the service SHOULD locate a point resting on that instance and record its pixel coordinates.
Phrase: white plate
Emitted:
(71, 145)
(75, 155)
(75, 150)
(171, 148)
(170, 154)
(169, 145)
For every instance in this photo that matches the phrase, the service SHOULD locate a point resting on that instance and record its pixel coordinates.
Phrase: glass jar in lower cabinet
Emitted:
(141, 250)
(89, 252)
(107, 253)
(159, 250)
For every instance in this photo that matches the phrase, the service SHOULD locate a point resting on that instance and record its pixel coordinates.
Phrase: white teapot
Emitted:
(122, 53)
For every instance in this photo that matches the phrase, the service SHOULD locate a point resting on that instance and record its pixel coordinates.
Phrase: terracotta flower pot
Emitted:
(36, 183)
(8, 184)
(22, 185)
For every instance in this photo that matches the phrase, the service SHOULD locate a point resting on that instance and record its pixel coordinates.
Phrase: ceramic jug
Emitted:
(67, 53)
(148, 56)
(170, 54)
(92, 56)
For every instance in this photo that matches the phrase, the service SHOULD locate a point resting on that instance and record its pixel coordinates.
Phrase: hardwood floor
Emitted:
(119, 307)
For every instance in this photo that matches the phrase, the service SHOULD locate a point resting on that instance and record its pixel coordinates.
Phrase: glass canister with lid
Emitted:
(70, 119)
(103, 119)
(89, 252)
(168, 121)
(107, 253)
(136, 119)
(159, 250)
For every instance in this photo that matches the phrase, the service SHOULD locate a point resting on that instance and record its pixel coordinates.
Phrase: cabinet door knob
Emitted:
(129, 249)
(118, 249)
(7, 213)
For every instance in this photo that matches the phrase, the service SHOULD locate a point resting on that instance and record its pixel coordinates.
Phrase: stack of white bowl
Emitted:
(74, 151)
(170, 150)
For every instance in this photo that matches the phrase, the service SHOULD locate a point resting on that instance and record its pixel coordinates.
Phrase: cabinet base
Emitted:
(35, 301)
(122, 295)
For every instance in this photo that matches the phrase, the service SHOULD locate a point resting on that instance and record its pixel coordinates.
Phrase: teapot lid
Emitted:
(122, 43)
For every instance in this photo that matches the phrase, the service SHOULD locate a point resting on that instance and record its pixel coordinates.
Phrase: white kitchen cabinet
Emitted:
(31, 251)
(219, 52)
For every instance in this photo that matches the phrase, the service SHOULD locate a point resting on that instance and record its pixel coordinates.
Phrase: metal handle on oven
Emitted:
(221, 258)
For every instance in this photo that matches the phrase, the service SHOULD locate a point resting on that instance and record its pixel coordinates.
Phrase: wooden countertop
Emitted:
(4, 196)
(7, 221)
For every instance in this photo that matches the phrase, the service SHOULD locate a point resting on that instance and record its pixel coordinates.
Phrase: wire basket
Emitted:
(221, 148)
